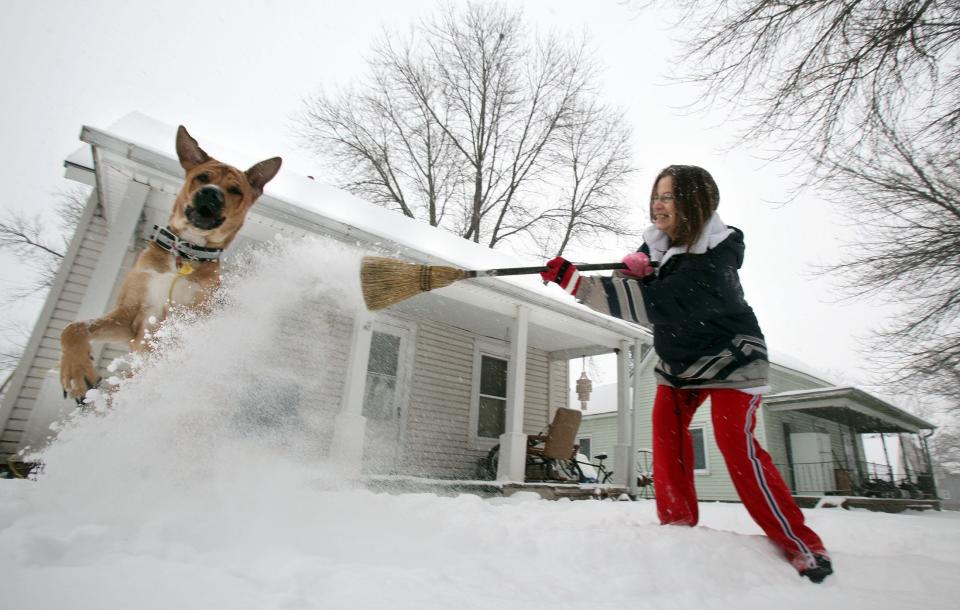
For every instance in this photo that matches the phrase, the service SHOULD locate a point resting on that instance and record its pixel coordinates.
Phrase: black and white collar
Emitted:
(171, 242)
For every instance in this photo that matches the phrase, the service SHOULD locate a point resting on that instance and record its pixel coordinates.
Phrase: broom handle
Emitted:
(532, 270)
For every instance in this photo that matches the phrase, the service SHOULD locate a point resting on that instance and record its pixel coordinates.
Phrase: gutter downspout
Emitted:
(926, 453)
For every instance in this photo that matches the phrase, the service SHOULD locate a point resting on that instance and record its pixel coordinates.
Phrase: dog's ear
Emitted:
(262, 173)
(190, 153)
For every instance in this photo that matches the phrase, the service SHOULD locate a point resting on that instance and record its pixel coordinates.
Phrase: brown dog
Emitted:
(180, 265)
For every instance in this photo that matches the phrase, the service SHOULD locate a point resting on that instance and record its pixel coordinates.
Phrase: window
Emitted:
(585, 449)
(382, 367)
(699, 451)
(488, 393)
(492, 406)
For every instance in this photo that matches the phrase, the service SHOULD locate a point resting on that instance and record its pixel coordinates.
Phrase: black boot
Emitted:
(820, 571)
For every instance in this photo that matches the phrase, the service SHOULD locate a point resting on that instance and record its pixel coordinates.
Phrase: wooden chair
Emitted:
(551, 456)
(556, 451)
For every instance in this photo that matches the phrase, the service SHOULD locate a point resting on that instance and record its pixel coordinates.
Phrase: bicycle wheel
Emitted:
(645, 473)
(487, 468)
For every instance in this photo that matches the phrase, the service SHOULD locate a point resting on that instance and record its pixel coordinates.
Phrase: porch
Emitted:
(823, 454)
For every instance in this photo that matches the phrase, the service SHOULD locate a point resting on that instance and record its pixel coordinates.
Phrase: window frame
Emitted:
(589, 439)
(481, 348)
(706, 453)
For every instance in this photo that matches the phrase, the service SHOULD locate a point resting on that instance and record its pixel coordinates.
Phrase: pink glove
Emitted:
(563, 272)
(638, 265)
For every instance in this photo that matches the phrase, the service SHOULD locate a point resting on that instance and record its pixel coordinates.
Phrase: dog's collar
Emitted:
(171, 242)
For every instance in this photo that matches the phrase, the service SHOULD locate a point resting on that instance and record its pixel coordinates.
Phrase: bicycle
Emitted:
(599, 473)
(538, 467)
(603, 475)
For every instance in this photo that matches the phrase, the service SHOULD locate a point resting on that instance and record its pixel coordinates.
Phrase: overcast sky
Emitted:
(236, 72)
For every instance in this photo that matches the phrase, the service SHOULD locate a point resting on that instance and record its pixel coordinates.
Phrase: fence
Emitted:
(863, 479)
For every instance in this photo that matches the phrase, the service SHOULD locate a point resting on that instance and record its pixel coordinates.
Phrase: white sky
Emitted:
(236, 73)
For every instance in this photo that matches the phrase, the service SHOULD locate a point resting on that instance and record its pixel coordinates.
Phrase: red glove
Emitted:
(563, 272)
(638, 265)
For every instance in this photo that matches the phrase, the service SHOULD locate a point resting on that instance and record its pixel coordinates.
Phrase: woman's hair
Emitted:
(696, 198)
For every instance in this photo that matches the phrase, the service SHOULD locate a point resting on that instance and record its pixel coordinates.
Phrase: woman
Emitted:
(710, 345)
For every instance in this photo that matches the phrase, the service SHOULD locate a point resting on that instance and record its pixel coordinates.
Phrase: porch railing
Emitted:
(861, 479)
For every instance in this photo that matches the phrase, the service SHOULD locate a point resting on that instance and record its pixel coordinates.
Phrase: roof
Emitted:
(323, 209)
(858, 408)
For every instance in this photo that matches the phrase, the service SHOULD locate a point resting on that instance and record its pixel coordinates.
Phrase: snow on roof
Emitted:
(795, 364)
(810, 392)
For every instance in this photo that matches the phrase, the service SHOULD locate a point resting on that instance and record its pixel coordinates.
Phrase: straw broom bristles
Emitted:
(386, 281)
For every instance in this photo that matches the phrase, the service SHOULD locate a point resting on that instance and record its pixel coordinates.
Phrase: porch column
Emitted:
(635, 419)
(346, 448)
(50, 405)
(513, 441)
(903, 458)
(886, 456)
(622, 458)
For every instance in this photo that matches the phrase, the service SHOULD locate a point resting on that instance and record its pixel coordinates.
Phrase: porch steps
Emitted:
(886, 505)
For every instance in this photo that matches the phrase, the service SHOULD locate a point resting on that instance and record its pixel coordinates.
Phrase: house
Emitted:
(812, 429)
(421, 391)
(948, 486)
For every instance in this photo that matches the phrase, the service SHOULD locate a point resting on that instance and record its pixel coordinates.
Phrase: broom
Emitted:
(386, 281)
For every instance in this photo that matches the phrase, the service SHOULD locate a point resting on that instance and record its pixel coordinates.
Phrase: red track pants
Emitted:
(758, 482)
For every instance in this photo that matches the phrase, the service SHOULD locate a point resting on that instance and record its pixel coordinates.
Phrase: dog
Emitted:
(180, 265)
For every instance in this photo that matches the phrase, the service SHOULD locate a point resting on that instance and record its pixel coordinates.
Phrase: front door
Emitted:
(385, 397)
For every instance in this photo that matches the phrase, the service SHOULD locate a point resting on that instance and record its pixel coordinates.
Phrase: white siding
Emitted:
(305, 355)
(602, 432)
(63, 302)
(437, 439)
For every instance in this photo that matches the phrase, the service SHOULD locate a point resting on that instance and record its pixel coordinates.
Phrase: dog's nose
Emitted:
(208, 201)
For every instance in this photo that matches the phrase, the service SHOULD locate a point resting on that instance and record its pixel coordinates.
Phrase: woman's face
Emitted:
(663, 207)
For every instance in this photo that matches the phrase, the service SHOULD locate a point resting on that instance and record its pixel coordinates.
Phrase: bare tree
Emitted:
(817, 74)
(38, 245)
(455, 124)
(907, 204)
(593, 162)
(865, 94)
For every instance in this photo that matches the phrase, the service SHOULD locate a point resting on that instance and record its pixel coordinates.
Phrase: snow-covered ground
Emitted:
(287, 540)
(199, 489)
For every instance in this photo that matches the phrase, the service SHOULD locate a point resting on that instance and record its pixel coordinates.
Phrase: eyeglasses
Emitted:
(665, 198)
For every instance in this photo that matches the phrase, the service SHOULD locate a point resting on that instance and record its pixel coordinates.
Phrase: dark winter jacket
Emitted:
(704, 332)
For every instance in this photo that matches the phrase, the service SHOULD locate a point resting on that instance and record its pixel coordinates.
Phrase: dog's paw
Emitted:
(76, 377)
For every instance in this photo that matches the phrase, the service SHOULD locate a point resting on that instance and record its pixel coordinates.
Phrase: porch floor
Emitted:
(573, 491)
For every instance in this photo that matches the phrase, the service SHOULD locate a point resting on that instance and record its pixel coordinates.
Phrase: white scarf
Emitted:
(659, 242)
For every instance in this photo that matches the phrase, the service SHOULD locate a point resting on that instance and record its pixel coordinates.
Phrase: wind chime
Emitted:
(584, 386)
